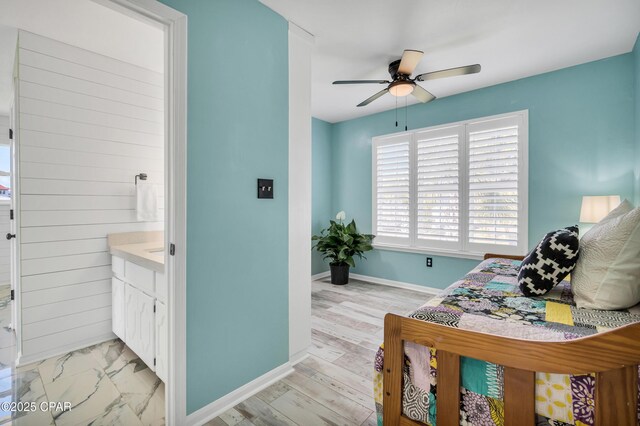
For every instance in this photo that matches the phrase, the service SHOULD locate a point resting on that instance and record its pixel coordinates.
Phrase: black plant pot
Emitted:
(339, 274)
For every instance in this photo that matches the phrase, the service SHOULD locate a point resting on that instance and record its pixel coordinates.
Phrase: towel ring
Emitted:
(142, 176)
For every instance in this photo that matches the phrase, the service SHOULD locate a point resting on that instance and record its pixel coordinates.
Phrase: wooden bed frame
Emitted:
(614, 357)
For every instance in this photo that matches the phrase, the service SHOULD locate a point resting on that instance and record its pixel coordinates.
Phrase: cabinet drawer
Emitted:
(117, 266)
(162, 291)
(139, 277)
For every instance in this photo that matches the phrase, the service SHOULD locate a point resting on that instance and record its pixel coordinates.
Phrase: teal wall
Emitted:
(237, 263)
(321, 183)
(581, 141)
(636, 72)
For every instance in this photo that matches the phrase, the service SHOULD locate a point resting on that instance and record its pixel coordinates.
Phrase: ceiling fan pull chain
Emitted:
(396, 111)
(406, 120)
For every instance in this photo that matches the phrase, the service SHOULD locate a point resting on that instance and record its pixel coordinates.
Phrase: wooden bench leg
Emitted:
(392, 373)
(617, 397)
(448, 389)
(519, 397)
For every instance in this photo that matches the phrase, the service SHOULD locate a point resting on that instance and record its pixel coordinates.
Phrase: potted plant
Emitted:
(340, 243)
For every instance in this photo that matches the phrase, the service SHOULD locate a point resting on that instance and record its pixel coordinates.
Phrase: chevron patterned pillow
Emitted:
(552, 260)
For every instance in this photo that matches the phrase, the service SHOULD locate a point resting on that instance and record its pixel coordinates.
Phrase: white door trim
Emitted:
(15, 261)
(300, 47)
(175, 27)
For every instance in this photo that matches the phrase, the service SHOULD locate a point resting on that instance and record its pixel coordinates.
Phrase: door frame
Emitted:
(174, 24)
(15, 260)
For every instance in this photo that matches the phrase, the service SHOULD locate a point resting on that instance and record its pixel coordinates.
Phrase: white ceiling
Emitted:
(356, 39)
(511, 39)
(82, 23)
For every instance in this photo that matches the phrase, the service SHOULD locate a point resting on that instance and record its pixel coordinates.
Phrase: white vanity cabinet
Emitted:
(140, 327)
(162, 341)
(117, 307)
(139, 313)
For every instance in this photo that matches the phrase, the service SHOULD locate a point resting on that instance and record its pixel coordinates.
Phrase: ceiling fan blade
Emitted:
(373, 98)
(409, 61)
(422, 95)
(361, 82)
(451, 72)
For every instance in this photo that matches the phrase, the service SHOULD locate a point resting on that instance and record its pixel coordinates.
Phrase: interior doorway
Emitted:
(173, 30)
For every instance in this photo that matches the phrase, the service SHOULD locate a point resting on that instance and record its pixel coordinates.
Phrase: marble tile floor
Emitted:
(105, 384)
(333, 386)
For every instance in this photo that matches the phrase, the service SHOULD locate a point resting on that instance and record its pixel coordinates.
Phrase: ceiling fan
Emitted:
(402, 84)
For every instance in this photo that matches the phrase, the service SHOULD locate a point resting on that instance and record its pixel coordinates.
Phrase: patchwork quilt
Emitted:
(488, 300)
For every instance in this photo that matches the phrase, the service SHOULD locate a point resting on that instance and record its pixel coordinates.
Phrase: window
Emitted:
(5, 175)
(459, 189)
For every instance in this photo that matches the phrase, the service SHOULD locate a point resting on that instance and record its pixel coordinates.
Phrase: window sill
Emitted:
(425, 250)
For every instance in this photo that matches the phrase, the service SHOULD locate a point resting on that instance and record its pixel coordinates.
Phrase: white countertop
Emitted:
(149, 255)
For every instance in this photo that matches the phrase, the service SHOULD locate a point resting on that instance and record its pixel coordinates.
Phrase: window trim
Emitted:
(425, 250)
(467, 250)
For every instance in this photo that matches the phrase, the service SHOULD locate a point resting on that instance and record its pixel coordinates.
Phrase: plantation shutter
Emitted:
(459, 188)
(494, 178)
(438, 187)
(392, 189)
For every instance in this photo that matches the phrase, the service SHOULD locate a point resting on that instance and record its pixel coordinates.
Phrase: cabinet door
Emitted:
(162, 343)
(132, 323)
(117, 308)
(147, 329)
(161, 287)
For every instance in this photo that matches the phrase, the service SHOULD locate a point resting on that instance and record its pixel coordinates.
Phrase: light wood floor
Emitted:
(334, 385)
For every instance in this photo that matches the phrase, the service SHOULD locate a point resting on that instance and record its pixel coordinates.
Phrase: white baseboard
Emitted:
(219, 406)
(398, 284)
(320, 276)
(300, 356)
(61, 350)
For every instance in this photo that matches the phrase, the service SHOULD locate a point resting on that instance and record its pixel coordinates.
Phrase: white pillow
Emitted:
(607, 275)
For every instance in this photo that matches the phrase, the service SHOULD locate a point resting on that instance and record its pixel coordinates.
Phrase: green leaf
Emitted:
(340, 243)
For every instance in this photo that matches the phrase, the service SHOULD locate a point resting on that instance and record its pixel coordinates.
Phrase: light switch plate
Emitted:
(265, 188)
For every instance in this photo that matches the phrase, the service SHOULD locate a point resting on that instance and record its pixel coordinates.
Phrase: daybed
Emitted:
(497, 357)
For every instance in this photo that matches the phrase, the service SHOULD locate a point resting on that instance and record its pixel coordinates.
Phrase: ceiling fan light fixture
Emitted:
(401, 88)
(402, 84)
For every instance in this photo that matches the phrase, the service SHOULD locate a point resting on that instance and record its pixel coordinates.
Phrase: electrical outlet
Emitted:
(429, 262)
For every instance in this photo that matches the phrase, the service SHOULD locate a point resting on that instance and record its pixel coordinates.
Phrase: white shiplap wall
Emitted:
(88, 124)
